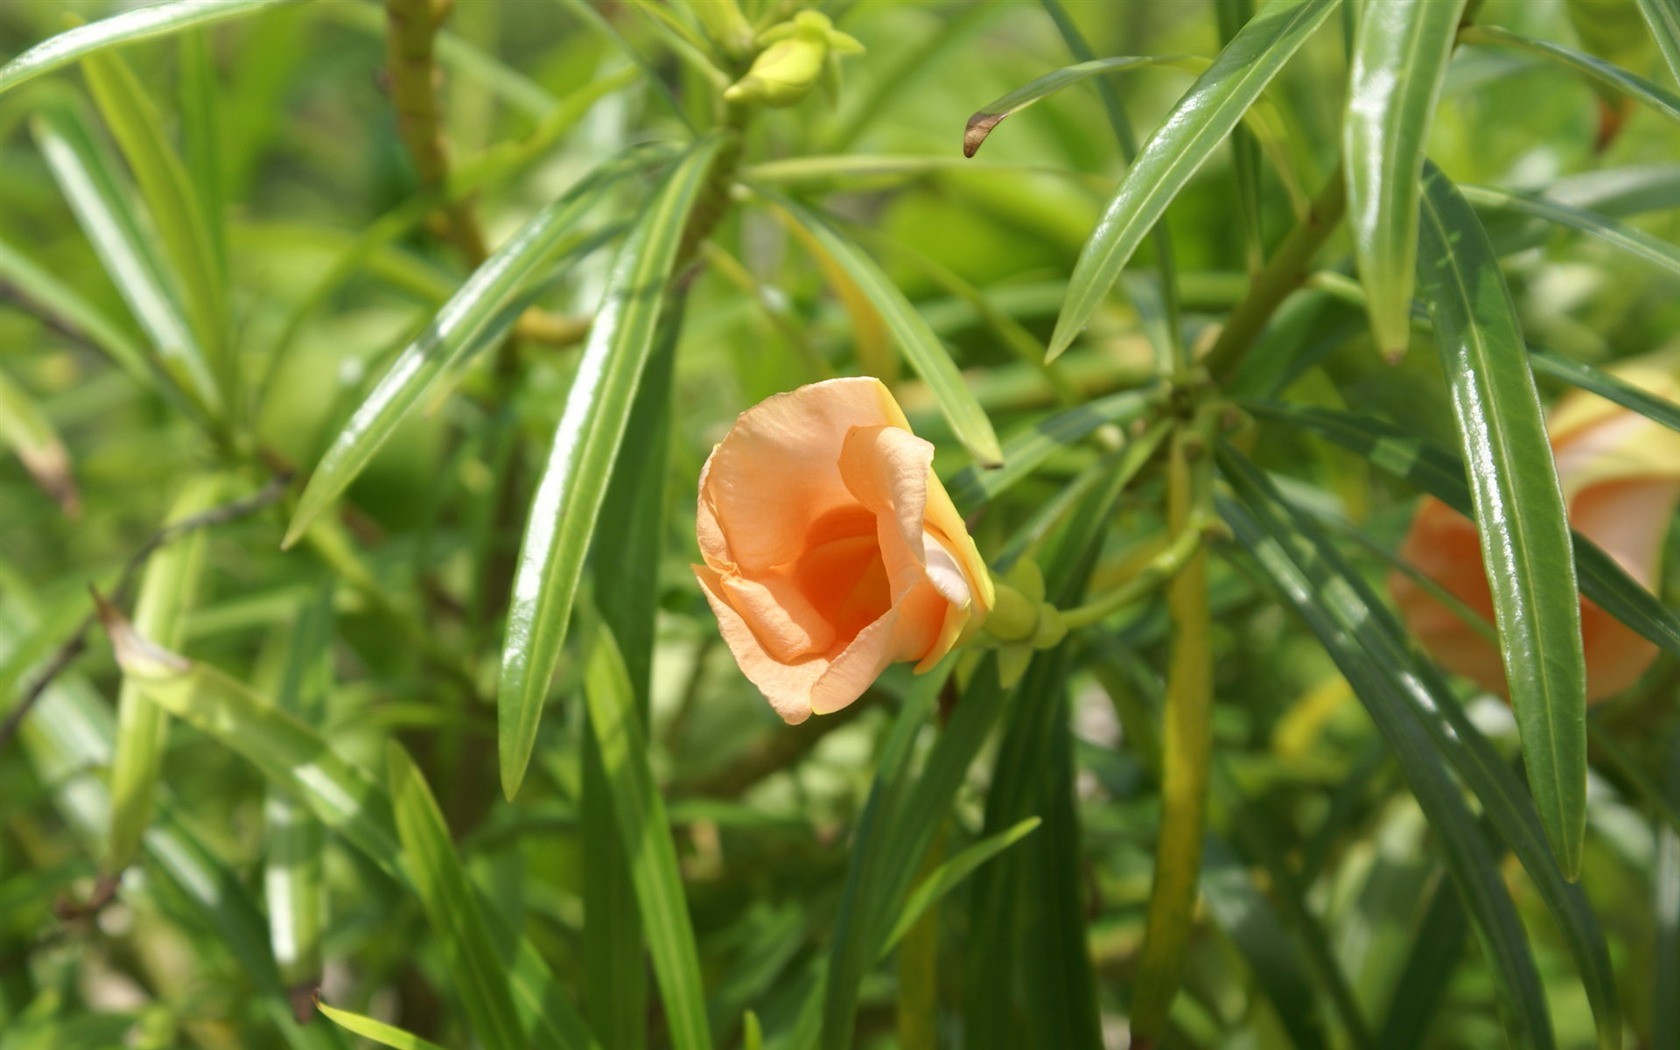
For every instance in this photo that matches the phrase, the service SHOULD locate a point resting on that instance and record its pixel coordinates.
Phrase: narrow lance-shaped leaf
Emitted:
(989, 116)
(1520, 514)
(562, 518)
(452, 907)
(167, 591)
(646, 834)
(949, 875)
(125, 28)
(1636, 243)
(378, 1031)
(1663, 16)
(176, 211)
(459, 330)
(29, 433)
(1399, 64)
(89, 182)
(920, 346)
(1659, 100)
(70, 312)
(1200, 121)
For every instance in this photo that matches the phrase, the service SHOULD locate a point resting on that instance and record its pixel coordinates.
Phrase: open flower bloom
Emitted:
(1620, 474)
(831, 549)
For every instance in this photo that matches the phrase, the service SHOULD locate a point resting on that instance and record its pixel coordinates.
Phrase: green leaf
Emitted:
(1663, 16)
(70, 312)
(1437, 949)
(1509, 808)
(294, 757)
(1658, 100)
(973, 487)
(378, 1031)
(646, 835)
(1605, 385)
(989, 116)
(125, 28)
(26, 430)
(97, 195)
(168, 591)
(562, 517)
(1637, 243)
(1334, 606)
(464, 326)
(1520, 513)
(949, 876)
(1441, 474)
(921, 347)
(1399, 64)
(1200, 121)
(177, 214)
(451, 905)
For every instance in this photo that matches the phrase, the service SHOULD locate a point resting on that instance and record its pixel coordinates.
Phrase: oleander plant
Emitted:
(793, 524)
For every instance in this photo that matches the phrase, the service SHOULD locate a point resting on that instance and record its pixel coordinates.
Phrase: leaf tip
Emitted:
(136, 654)
(979, 126)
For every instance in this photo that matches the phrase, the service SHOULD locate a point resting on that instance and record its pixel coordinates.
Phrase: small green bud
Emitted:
(796, 56)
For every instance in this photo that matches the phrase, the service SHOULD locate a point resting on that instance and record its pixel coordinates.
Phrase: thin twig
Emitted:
(73, 646)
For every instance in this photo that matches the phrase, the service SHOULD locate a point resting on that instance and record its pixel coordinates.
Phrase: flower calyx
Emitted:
(797, 55)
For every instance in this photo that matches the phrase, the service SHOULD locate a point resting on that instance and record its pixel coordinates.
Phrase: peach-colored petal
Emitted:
(942, 519)
(786, 685)
(903, 633)
(886, 470)
(785, 623)
(777, 470)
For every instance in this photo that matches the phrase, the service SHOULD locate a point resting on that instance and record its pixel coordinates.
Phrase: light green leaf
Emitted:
(1200, 121)
(1663, 16)
(451, 905)
(562, 517)
(378, 1031)
(921, 347)
(27, 431)
(949, 875)
(1657, 99)
(125, 28)
(168, 591)
(973, 487)
(96, 194)
(177, 214)
(462, 328)
(1637, 243)
(1399, 64)
(70, 311)
(646, 834)
(989, 116)
(1520, 514)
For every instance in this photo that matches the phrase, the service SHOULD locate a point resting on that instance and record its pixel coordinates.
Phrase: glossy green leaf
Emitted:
(1605, 385)
(920, 346)
(573, 484)
(1508, 807)
(378, 1031)
(1399, 64)
(89, 181)
(973, 487)
(176, 212)
(949, 875)
(462, 328)
(1200, 121)
(646, 834)
(1519, 506)
(125, 28)
(26, 430)
(1637, 243)
(989, 116)
(1333, 607)
(1663, 16)
(1658, 99)
(451, 905)
(168, 590)
(1441, 474)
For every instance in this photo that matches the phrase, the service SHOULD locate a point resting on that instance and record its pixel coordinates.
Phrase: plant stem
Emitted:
(1286, 272)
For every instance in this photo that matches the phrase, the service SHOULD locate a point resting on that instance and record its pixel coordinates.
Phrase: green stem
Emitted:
(1286, 272)
(1161, 569)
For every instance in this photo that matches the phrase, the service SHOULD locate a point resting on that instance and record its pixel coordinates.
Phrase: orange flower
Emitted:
(831, 549)
(1620, 474)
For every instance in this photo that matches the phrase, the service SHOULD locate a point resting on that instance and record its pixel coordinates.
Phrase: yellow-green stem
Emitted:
(1185, 750)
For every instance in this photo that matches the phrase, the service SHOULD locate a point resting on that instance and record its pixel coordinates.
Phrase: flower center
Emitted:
(842, 573)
